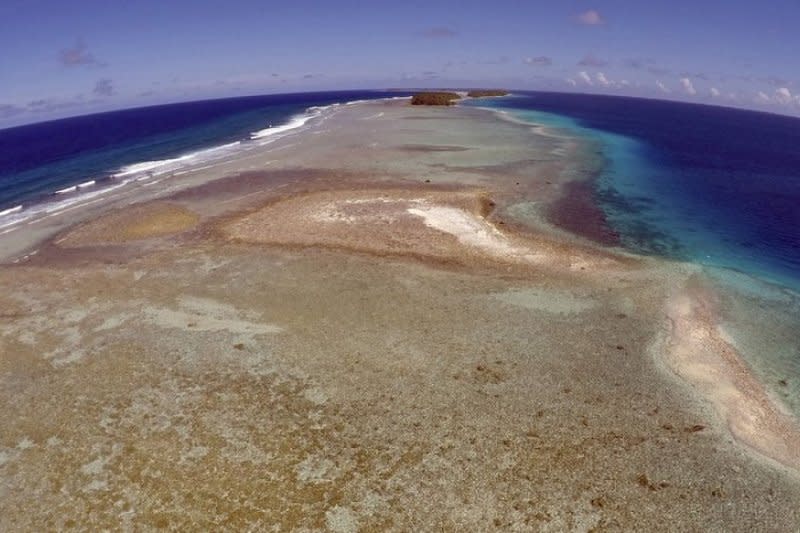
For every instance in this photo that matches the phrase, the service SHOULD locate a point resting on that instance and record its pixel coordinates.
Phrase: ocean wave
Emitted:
(294, 122)
(67, 190)
(163, 166)
(91, 191)
(15, 209)
(73, 188)
(56, 207)
(73, 197)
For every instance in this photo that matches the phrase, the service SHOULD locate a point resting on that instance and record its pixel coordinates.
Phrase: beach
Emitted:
(392, 318)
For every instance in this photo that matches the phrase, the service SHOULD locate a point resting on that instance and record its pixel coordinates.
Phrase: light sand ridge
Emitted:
(698, 351)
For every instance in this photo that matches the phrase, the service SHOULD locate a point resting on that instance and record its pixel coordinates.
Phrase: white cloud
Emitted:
(762, 98)
(570, 81)
(591, 60)
(714, 92)
(78, 55)
(688, 87)
(591, 18)
(541, 61)
(602, 80)
(624, 83)
(783, 96)
(662, 87)
(585, 77)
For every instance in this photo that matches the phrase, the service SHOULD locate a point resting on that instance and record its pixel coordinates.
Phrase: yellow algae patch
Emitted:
(132, 224)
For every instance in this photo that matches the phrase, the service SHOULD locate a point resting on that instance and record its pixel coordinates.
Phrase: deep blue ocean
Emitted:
(79, 155)
(711, 185)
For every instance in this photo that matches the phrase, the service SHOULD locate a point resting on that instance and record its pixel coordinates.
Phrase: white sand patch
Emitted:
(73, 316)
(469, 230)
(347, 211)
(96, 485)
(197, 452)
(375, 200)
(315, 469)
(94, 468)
(315, 396)
(26, 337)
(68, 350)
(550, 301)
(579, 263)
(176, 319)
(372, 503)
(207, 306)
(113, 322)
(341, 520)
(25, 444)
(72, 357)
(11, 454)
(202, 264)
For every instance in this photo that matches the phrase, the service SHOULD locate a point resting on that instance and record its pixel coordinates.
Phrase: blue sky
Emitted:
(65, 58)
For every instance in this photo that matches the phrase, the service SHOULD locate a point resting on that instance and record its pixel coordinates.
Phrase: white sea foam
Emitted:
(90, 192)
(56, 207)
(20, 214)
(153, 167)
(15, 209)
(163, 166)
(294, 122)
(11, 217)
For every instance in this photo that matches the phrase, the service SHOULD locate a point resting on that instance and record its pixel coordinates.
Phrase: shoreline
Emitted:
(135, 189)
(377, 313)
(150, 172)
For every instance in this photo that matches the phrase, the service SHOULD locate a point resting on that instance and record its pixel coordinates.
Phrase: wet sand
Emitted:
(374, 325)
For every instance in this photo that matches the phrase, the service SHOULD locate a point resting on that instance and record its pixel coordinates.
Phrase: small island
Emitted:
(481, 93)
(435, 98)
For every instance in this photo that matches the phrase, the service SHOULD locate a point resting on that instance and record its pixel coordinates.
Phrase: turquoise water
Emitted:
(636, 188)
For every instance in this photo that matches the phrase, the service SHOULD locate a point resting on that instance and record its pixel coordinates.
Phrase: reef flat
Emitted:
(375, 323)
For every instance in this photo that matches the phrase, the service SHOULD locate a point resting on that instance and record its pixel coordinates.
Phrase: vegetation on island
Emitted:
(487, 92)
(434, 98)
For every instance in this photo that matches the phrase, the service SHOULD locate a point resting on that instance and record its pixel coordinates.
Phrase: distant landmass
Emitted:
(487, 92)
(435, 98)
(450, 98)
